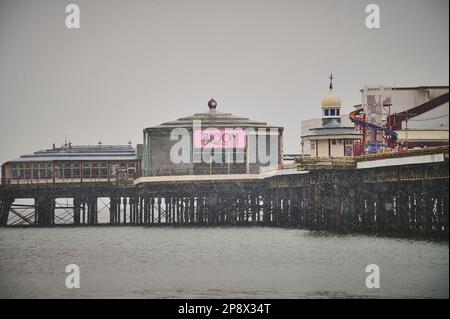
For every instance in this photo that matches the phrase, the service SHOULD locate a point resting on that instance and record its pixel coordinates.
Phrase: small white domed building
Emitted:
(332, 138)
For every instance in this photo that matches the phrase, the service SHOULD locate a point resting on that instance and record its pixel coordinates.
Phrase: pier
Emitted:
(396, 200)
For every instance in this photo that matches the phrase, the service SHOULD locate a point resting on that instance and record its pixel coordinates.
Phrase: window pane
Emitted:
(67, 172)
(49, 171)
(103, 173)
(114, 169)
(20, 171)
(58, 173)
(86, 170)
(95, 170)
(76, 170)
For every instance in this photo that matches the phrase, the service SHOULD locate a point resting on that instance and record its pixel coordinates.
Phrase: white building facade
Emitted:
(418, 114)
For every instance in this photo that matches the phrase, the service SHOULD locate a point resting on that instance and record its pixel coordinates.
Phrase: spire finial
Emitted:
(212, 104)
(331, 80)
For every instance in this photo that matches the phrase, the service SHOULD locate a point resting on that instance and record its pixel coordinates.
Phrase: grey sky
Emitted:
(135, 64)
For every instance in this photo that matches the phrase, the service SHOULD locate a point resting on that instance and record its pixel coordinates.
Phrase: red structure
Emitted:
(358, 117)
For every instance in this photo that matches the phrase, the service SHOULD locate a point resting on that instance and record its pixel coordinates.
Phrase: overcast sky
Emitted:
(135, 64)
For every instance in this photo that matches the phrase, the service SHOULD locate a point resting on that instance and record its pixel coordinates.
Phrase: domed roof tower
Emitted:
(331, 105)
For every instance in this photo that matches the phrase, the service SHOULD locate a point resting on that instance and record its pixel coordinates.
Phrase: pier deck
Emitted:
(399, 200)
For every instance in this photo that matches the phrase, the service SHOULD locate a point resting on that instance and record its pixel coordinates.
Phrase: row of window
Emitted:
(332, 112)
(342, 142)
(72, 170)
(220, 155)
(335, 142)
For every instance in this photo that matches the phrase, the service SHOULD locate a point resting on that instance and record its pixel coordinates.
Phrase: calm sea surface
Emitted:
(140, 262)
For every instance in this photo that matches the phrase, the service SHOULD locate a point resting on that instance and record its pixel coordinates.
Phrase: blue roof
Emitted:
(84, 152)
(332, 128)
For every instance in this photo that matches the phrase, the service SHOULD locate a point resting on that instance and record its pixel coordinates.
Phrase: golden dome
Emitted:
(331, 100)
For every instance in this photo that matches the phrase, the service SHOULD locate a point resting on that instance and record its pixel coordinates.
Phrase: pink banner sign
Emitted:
(220, 138)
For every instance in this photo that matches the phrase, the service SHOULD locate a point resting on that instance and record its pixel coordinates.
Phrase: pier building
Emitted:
(418, 115)
(211, 142)
(332, 138)
(73, 164)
